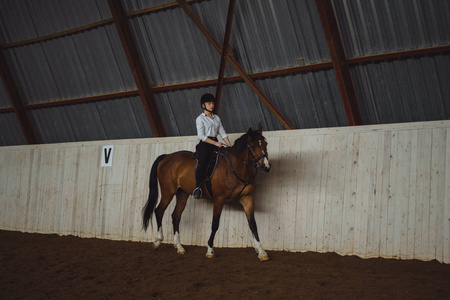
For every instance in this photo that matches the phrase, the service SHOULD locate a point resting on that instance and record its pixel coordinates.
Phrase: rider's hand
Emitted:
(219, 144)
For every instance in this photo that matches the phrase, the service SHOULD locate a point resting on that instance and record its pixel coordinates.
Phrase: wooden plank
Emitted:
(8, 174)
(33, 192)
(289, 169)
(265, 206)
(315, 153)
(4, 191)
(349, 201)
(273, 202)
(100, 197)
(423, 191)
(92, 158)
(378, 234)
(385, 192)
(304, 210)
(10, 203)
(412, 198)
(402, 192)
(68, 193)
(391, 215)
(49, 185)
(435, 249)
(370, 181)
(337, 145)
(365, 193)
(446, 221)
(321, 210)
(79, 198)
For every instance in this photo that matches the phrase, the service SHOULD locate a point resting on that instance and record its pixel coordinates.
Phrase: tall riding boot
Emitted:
(197, 194)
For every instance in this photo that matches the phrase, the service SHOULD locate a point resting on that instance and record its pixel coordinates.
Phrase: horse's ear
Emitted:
(260, 128)
(250, 130)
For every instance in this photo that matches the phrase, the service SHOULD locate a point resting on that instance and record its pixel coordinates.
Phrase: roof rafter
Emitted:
(340, 63)
(129, 46)
(236, 66)
(226, 48)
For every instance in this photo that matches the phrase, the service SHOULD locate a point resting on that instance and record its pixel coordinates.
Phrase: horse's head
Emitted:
(257, 146)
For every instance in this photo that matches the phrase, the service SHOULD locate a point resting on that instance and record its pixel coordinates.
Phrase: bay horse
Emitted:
(233, 178)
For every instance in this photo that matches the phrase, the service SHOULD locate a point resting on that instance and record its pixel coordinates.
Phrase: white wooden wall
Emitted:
(371, 191)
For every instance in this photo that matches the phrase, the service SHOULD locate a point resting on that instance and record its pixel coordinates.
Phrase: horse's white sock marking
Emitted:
(177, 244)
(159, 238)
(262, 255)
(210, 252)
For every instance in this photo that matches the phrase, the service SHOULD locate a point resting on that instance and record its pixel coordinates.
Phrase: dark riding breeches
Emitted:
(204, 154)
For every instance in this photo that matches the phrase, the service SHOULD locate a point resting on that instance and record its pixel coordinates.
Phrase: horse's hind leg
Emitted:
(159, 213)
(182, 197)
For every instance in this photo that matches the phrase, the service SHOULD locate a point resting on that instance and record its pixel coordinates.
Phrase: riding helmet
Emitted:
(207, 98)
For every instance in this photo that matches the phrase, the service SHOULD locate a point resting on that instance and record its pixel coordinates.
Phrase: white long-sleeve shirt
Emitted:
(207, 127)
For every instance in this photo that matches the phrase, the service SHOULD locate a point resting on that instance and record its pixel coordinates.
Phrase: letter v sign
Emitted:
(107, 155)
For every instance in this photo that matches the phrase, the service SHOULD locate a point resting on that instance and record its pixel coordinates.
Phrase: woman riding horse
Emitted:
(233, 178)
(208, 126)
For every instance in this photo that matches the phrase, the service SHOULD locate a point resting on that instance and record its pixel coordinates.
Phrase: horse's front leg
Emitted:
(247, 203)
(217, 211)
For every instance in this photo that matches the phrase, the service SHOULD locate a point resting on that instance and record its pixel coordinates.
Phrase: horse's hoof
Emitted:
(263, 257)
(156, 245)
(210, 252)
(181, 251)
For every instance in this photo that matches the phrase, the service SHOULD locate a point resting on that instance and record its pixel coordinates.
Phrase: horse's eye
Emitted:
(253, 147)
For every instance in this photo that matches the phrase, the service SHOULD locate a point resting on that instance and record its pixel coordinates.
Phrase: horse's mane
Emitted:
(241, 143)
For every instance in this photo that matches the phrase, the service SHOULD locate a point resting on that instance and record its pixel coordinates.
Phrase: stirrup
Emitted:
(197, 194)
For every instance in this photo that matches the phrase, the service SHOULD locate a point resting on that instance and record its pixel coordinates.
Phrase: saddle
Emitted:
(211, 168)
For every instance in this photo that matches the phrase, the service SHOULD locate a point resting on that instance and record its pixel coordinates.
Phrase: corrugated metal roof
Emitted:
(22, 19)
(105, 120)
(10, 133)
(369, 27)
(79, 65)
(173, 52)
(408, 90)
(266, 35)
(4, 100)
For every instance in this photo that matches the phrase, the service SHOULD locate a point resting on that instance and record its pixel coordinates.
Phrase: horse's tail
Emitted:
(153, 195)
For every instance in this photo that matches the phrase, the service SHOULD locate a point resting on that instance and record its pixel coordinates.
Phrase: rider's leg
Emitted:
(204, 153)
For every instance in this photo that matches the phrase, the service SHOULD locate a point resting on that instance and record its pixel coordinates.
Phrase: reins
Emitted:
(252, 175)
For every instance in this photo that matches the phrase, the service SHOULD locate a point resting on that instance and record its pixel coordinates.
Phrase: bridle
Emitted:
(254, 161)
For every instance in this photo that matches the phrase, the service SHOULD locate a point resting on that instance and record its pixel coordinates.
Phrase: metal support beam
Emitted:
(172, 87)
(340, 63)
(225, 52)
(16, 101)
(145, 92)
(236, 66)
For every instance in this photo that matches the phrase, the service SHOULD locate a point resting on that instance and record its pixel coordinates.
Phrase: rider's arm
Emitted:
(210, 141)
(227, 141)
